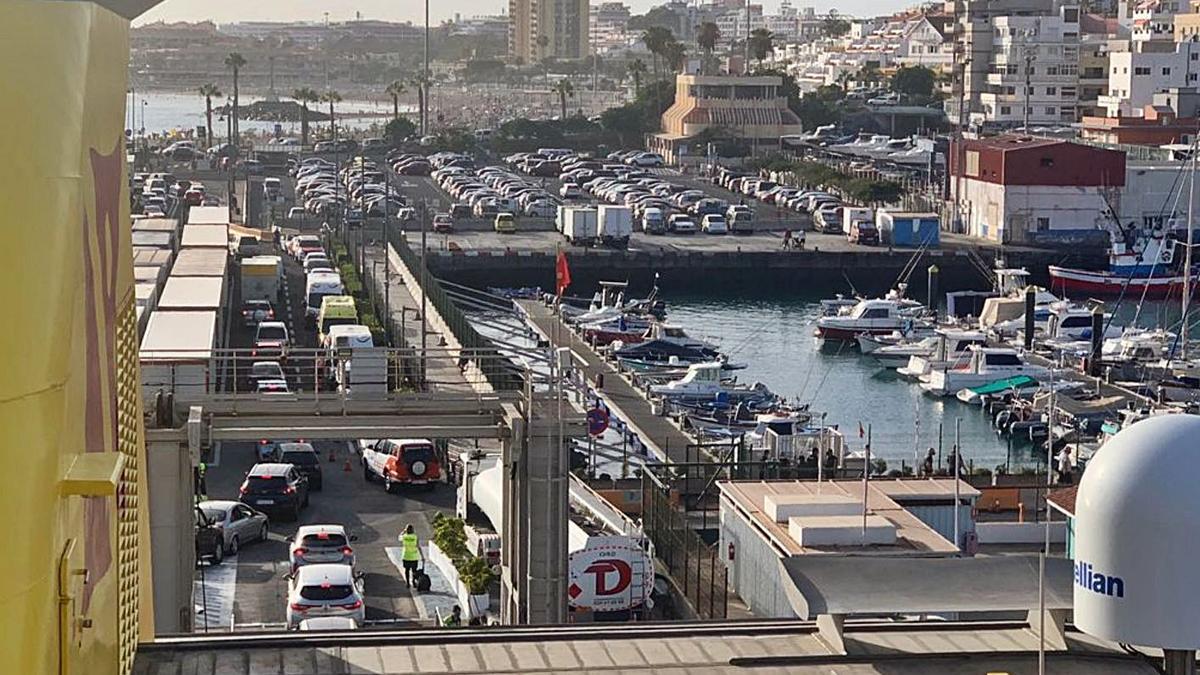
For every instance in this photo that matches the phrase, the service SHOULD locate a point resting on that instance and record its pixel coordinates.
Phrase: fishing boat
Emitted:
(984, 365)
(1143, 267)
(949, 347)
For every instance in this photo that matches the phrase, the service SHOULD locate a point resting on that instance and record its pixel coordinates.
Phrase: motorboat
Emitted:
(1010, 387)
(867, 343)
(1004, 314)
(950, 347)
(705, 381)
(861, 145)
(983, 365)
(1071, 323)
(665, 339)
(872, 317)
(833, 306)
(622, 329)
(892, 146)
(911, 157)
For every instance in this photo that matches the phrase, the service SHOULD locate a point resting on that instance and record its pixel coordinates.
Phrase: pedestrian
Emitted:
(927, 465)
(800, 240)
(411, 553)
(454, 619)
(787, 239)
(1064, 467)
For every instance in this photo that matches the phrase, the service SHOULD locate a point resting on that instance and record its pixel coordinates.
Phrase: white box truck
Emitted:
(176, 355)
(260, 278)
(855, 214)
(578, 224)
(615, 225)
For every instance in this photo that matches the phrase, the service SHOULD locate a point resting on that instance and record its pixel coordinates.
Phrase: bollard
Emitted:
(346, 466)
(1020, 512)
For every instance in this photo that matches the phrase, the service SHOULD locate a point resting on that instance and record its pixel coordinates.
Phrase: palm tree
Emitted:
(564, 88)
(762, 42)
(707, 36)
(675, 54)
(209, 92)
(419, 81)
(304, 96)
(331, 97)
(656, 38)
(235, 61)
(395, 90)
(636, 68)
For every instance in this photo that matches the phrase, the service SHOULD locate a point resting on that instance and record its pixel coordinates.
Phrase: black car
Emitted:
(275, 488)
(208, 539)
(304, 458)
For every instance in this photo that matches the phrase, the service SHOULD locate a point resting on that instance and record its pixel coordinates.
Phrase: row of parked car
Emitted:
(155, 193)
(493, 191)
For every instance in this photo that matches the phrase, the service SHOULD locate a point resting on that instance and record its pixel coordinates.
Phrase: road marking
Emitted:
(213, 588)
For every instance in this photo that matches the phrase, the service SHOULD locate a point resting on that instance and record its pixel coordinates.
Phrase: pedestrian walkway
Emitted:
(213, 592)
(439, 600)
(663, 437)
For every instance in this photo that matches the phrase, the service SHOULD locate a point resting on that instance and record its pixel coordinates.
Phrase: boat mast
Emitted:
(1187, 256)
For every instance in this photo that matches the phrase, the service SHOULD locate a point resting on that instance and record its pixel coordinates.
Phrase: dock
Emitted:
(656, 431)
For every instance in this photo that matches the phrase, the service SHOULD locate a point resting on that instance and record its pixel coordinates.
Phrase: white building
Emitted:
(1155, 20)
(1049, 47)
(1143, 69)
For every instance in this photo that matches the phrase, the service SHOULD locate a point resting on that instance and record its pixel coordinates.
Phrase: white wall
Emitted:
(990, 209)
(1129, 93)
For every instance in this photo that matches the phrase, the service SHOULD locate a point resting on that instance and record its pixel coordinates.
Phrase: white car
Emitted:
(329, 623)
(318, 591)
(570, 191)
(321, 544)
(681, 223)
(646, 159)
(714, 224)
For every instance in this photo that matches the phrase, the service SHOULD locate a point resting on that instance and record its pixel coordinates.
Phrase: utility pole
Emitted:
(746, 56)
(325, 39)
(1028, 58)
(424, 291)
(425, 79)
(960, 54)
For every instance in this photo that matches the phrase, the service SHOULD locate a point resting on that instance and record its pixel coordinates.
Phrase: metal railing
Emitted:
(695, 565)
(502, 379)
(314, 374)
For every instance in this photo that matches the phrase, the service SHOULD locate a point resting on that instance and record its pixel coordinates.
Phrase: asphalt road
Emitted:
(259, 590)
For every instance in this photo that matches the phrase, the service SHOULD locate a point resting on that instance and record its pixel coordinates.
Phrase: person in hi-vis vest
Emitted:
(412, 553)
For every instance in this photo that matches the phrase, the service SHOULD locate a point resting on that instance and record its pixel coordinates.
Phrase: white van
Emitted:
(316, 287)
(354, 361)
(653, 221)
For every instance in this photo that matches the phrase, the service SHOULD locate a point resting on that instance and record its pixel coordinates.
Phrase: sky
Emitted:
(228, 11)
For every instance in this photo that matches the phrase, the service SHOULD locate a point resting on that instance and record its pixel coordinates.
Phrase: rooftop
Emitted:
(911, 535)
(663, 649)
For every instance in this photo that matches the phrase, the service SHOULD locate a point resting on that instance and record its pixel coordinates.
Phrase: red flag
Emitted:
(562, 273)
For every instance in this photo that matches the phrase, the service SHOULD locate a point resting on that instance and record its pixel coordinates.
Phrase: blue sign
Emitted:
(1089, 579)
(597, 419)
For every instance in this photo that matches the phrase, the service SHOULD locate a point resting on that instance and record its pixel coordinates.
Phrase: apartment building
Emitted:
(1155, 20)
(975, 37)
(1034, 73)
(1187, 24)
(562, 23)
(1139, 70)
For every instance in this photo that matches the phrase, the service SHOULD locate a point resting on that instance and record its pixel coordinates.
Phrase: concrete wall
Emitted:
(811, 271)
(1020, 533)
(1011, 213)
(172, 538)
(754, 573)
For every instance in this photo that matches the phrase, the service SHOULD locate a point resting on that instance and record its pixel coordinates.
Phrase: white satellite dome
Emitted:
(1137, 536)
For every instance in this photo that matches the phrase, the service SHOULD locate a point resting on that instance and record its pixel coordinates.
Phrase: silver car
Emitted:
(239, 524)
(317, 544)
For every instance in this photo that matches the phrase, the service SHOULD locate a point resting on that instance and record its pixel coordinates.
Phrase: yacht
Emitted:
(892, 146)
(862, 144)
(983, 365)
(950, 347)
(873, 317)
(1072, 323)
(911, 157)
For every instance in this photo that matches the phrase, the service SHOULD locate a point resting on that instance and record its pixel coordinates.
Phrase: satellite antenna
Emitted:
(1135, 550)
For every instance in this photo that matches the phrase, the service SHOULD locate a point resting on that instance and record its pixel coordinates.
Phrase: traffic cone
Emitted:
(346, 465)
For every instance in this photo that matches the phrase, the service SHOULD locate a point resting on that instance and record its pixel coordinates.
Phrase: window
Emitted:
(1003, 360)
(1004, 110)
(1051, 110)
(1051, 91)
(1050, 70)
(1043, 224)
(1166, 71)
(1144, 70)
(876, 313)
(1068, 92)
(972, 156)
